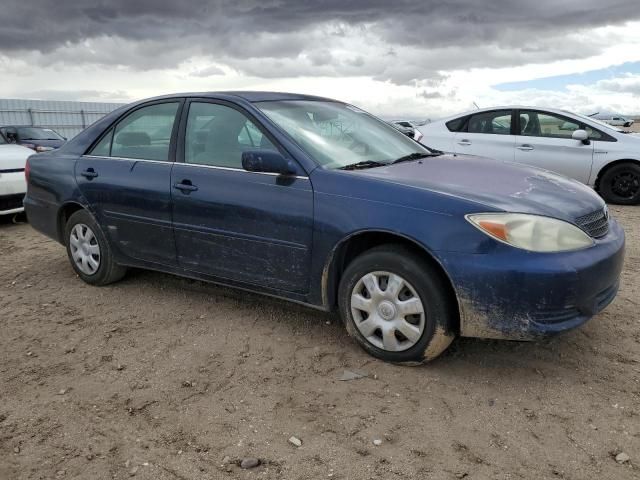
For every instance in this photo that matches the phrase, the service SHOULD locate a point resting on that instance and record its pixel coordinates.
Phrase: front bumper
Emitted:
(520, 295)
(12, 190)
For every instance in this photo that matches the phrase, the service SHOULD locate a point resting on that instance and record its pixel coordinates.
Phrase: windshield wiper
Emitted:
(363, 164)
(415, 156)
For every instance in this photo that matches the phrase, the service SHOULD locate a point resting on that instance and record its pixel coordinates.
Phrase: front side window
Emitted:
(336, 135)
(217, 135)
(144, 134)
(539, 124)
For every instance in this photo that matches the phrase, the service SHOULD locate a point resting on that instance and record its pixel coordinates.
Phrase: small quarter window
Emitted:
(103, 147)
(456, 124)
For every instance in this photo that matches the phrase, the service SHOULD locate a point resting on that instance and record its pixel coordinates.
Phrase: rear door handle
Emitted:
(464, 142)
(185, 186)
(89, 173)
(525, 147)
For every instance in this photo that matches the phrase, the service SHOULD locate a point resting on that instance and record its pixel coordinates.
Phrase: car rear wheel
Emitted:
(621, 184)
(396, 305)
(89, 251)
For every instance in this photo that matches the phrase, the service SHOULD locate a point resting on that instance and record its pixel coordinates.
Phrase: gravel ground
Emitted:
(158, 377)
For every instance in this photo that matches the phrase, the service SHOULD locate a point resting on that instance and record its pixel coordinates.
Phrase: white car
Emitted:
(577, 146)
(13, 186)
(612, 119)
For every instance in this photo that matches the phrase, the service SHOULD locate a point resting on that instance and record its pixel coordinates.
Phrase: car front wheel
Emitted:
(621, 184)
(396, 306)
(89, 252)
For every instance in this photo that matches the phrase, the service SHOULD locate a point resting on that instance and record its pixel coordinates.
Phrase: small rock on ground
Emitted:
(249, 462)
(622, 457)
(295, 441)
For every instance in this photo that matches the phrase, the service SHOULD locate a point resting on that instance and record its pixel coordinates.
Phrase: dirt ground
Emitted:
(158, 377)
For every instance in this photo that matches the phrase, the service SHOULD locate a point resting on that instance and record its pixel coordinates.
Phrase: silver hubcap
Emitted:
(387, 311)
(84, 249)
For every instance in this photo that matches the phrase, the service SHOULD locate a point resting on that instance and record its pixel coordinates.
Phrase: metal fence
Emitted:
(66, 118)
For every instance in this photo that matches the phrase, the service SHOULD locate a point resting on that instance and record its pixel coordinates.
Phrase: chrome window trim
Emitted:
(300, 177)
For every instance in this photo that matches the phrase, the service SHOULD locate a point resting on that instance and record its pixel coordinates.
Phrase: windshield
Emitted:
(337, 135)
(36, 133)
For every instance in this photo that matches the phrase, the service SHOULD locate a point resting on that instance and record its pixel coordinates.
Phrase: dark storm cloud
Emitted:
(412, 40)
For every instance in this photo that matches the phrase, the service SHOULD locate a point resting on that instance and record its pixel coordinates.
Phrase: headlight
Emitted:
(531, 232)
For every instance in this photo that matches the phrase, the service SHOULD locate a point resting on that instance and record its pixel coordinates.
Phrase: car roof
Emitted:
(559, 111)
(248, 95)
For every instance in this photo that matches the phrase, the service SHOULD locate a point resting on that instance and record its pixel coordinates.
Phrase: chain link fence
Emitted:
(65, 117)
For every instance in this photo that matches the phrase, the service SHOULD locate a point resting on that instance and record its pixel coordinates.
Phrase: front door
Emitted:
(545, 141)
(126, 180)
(248, 227)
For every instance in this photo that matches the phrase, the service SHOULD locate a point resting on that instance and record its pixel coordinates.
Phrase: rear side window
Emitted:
(497, 122)
(456, 124)
(144, 134)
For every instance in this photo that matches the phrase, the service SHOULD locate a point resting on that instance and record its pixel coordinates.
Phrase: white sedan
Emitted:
(13, 186)
(580, 147)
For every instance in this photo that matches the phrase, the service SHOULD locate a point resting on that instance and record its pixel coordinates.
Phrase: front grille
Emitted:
(596, 224)
(10, 202)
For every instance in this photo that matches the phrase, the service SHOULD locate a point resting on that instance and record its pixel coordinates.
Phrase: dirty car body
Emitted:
(293, 235)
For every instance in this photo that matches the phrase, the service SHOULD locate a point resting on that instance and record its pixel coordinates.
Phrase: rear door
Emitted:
(233, 224)
(487, 134)
(126, 180)
(544, 141)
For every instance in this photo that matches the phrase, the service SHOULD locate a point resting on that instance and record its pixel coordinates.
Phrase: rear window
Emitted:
(456, 124)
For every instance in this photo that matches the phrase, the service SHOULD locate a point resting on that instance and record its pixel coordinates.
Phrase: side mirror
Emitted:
(267, 161)
(581, 136)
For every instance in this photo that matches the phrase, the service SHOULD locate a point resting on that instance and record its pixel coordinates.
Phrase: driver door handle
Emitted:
(185, 186)
(525, 147)
(89, 173)
(464, 142)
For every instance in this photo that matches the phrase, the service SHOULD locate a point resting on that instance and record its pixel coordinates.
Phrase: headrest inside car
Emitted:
(133, 139)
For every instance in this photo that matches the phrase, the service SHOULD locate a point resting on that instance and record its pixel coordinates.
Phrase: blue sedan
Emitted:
(316, 201)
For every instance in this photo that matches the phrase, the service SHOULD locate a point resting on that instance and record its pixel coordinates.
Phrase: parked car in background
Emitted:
(613, 119)
(13, 186)
(592, 152)
(407, 128)
(36, 138)
(318, 202)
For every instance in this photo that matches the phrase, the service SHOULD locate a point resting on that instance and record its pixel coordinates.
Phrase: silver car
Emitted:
(580, 147)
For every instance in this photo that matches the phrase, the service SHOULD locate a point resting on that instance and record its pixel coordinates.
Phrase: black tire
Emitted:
(620, 184)
(439, 313)
(107, 271)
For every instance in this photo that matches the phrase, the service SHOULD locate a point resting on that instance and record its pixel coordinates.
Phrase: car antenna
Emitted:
(476, 105)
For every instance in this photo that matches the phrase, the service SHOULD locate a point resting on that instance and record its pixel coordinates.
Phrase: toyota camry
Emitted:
(318, 202)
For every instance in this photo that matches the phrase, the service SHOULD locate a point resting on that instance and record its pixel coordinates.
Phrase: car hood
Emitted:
(503, 186)
(13, 156)
(44, 143)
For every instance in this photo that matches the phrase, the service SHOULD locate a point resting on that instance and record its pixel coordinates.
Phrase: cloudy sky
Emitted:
(395, 58)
